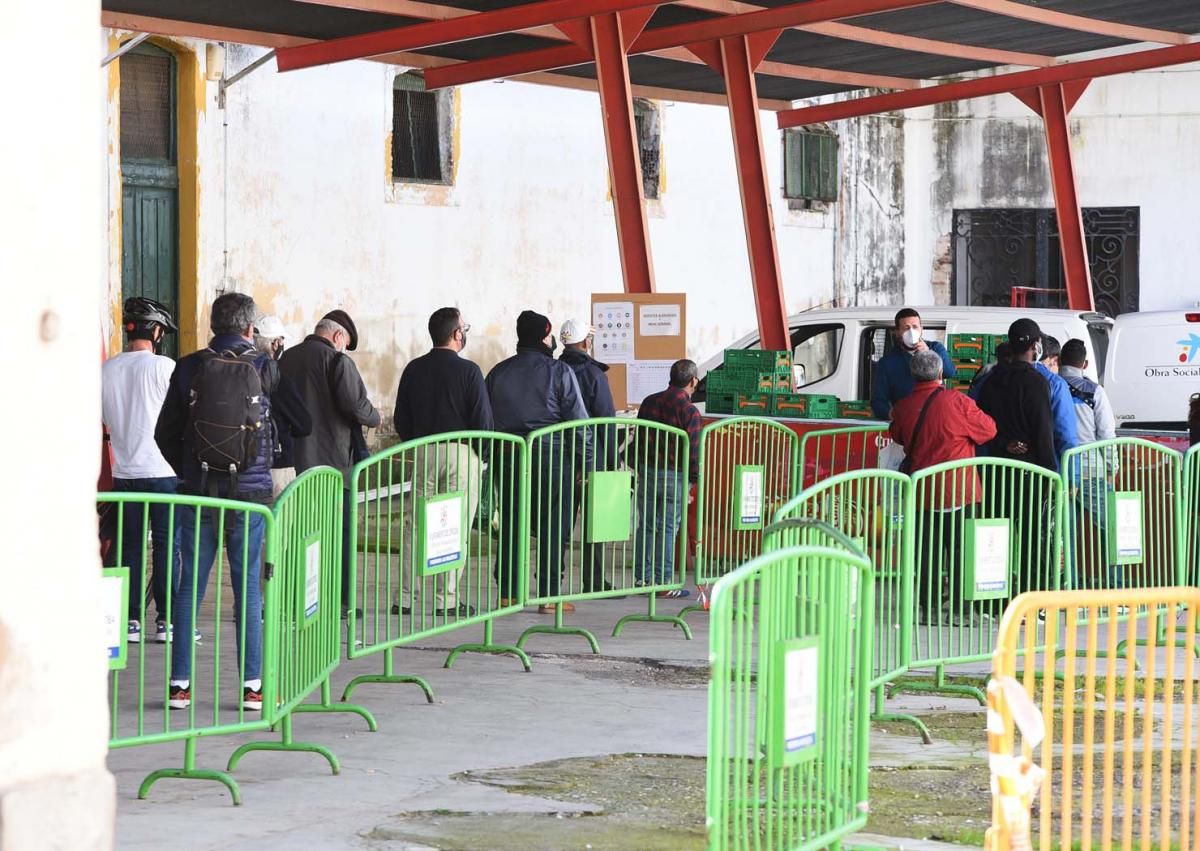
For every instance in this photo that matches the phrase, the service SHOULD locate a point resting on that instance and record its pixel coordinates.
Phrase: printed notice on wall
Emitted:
(644, 377)
(659, 320)
(613, 322)
(443, 532)
(114, 592)
(798, 672)
(312, 578)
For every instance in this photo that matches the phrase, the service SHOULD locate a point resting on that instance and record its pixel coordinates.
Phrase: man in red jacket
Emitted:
(935, 425)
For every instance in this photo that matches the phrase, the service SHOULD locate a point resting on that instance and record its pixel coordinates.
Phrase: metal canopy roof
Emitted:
(891, 50)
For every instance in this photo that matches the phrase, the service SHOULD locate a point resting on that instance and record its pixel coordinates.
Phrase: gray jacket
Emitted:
(330, 387)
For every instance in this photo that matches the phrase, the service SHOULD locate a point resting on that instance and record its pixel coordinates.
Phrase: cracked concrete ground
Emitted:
(470, 771)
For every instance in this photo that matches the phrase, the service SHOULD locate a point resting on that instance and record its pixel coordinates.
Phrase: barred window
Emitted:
(810, 165)
(147, 84)
(420, 132)
(649, 135)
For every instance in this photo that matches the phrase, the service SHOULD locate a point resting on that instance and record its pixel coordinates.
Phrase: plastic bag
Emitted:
(891, 456)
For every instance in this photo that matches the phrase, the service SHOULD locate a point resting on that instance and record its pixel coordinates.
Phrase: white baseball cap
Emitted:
(270, 328)
(575, 331)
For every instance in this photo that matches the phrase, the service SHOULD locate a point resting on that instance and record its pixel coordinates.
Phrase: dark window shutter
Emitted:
(416, 136)
(146, 106)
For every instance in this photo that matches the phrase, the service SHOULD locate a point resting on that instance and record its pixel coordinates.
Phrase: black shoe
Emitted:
(463, 611)
(604, 587)
(346, 613)
(397, 609)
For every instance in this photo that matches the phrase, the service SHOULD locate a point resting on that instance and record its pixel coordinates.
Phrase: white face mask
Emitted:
(911, 337)
(1038, 351)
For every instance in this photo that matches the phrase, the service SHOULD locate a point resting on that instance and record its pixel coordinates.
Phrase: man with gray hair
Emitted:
(936, 425)
(328, 383)
(221, 390)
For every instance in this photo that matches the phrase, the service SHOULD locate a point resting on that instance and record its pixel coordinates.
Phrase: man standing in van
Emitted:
(893, 379)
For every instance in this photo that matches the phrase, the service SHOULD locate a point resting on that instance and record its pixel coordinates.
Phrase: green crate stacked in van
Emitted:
(748, 381)
(969, 353)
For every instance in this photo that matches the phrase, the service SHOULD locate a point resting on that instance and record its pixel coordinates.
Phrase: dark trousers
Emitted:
(592, 555)
(130, 551)
(550, 516)
(506, 484)
(940, 568)
(348, 517)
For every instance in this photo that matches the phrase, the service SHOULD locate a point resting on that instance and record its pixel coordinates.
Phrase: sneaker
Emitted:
(133, 634)
(397, 609)
(251, 699)
(673, 594)
(462, 610)
(358, 613)
(161, 631)
(181, 698)
(549, 610)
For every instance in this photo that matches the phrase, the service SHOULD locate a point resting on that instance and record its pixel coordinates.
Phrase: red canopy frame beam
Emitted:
(1108, 66)
(679, 35)
(465, 28)
(609, 36)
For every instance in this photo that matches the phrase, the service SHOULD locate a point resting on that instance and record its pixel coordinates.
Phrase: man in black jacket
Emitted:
(328, 383)
(440, 393)
(577, 336)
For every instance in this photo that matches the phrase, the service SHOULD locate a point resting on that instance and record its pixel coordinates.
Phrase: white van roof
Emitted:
(938, 312)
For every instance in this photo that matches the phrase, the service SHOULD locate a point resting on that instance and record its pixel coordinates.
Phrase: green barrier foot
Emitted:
(388, 676)
(494, 649)
(354, 708)
(559, 628)
(938, 686)
(190, 772)
(287, 744)
(900, 718)
(652, 616)
(695, 607)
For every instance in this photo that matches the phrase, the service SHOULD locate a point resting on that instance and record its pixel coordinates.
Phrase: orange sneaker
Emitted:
(549, 610)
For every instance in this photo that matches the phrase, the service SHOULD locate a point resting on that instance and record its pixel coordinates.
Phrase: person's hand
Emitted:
(1016, 447)
(920, 346)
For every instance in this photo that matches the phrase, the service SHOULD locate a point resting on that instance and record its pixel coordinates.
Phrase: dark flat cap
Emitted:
(342, 318)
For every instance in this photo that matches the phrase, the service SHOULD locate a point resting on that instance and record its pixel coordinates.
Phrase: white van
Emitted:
(1153, 368)
(834, 351)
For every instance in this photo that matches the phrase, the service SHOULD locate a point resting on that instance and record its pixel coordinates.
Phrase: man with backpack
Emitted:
(133, 386)
(216, 431)
(328, 383)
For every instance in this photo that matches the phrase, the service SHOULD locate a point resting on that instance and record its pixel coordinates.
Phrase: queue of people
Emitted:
(242, 417)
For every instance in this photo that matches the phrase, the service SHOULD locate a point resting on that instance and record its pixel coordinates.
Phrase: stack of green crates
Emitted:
(748, 382)
(970, 354)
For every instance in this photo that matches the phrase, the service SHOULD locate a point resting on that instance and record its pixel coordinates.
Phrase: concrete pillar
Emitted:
(54, 789)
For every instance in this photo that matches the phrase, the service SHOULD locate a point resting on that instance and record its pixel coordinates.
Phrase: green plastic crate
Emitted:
(811, 406)
(969, 346)
(759, 360)
(719, 403)
(753, 404)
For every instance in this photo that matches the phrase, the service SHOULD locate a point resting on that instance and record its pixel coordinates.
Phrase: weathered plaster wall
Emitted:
(315, 222)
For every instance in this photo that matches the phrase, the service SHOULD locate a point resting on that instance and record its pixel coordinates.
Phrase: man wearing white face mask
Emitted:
(893, 379)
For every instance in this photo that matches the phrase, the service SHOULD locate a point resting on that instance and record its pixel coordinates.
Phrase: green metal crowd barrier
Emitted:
(425, 562)
(1124, 527)
(305, 592)
(626, 482)
(1191, 514)
(981, 531)
(867, 506)
(195, 635)
(830, 452)
(788, 734)
(748, 469)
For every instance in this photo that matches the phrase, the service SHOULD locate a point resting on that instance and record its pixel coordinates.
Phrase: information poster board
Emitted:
(986, 566)
(1126, 541)
(796, 700)
(639, 336)
(442, 532)
(748, 496)
(114, 597)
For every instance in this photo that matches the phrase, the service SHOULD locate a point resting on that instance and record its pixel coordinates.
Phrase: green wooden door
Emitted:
(150, 181)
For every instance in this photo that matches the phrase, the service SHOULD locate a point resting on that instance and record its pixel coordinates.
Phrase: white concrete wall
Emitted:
(314, 222)
(54, 789)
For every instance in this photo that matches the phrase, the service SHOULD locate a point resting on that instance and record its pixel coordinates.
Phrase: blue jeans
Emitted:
(1087, 531)
(130, 551)
(242, 538)
(660, 513)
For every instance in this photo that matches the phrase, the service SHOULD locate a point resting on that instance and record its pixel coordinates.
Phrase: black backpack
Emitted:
(228, 411)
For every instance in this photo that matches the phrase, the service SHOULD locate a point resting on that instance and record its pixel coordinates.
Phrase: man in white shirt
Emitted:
(133, 386)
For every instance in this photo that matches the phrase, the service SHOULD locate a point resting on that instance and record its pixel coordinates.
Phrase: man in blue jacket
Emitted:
(1062, 406)
(180, 436)
(577, 336)
(893, 379)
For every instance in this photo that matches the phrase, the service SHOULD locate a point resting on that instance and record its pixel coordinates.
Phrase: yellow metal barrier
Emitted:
(1107, 712)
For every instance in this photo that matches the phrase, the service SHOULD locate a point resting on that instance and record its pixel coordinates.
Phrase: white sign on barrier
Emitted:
(114, 594)
(312, 578)
(798, 696)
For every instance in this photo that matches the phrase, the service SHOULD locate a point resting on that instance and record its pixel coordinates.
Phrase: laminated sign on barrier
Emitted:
(987, 562)
(609, 506)
(748, 493)
(312, 577)
(115, 593)
(797, 699)
(442, 527)
(1125, 539)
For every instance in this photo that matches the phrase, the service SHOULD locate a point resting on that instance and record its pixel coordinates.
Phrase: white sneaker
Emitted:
(161, 630)
(133, 634)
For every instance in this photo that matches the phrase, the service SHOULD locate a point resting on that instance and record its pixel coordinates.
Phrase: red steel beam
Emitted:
(433, 33)
(1071, 236)
(680, 35)
(1109, 66)
(624, 159)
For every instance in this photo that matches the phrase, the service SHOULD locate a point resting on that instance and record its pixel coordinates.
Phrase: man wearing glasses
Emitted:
(439, 393)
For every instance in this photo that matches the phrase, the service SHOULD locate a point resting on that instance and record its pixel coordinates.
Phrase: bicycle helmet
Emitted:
(142, 314)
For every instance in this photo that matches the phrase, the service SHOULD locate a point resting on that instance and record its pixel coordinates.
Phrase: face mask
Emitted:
(553, 344)
(1037, 352)
(911, 337)
(464, 339)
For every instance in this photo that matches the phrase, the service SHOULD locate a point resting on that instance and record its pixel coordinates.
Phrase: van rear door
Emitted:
(1153, 368)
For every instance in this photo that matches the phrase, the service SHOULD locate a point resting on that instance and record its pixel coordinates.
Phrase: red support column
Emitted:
(1072, 239)
(736, 58)
(624, 160)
